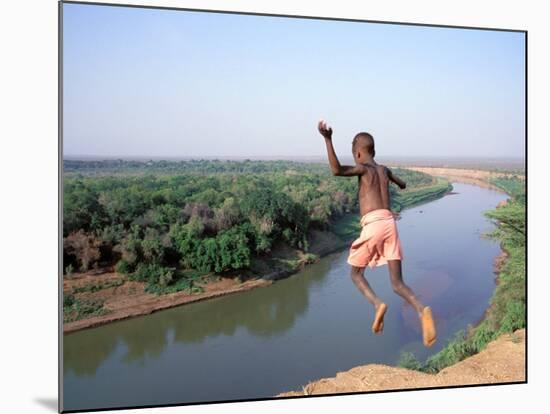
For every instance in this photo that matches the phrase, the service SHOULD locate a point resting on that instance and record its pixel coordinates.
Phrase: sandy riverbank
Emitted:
(130, 299)
(476, 177)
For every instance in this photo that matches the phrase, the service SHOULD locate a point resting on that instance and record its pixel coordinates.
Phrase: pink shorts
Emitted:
(378, 242)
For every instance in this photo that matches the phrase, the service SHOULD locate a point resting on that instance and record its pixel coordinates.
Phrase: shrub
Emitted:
(408, 360)
(153, 274)
(123, 267)
(309, 258)
(83, 247)
(75, 309)
(514, 318)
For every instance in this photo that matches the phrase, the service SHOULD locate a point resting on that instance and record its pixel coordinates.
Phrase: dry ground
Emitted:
(503, 360)
(468, 176)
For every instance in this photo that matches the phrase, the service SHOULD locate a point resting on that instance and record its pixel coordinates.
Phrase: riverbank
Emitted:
(130, 299)
(507, 307)
(502, 361)
(107, 296)
(481, 178)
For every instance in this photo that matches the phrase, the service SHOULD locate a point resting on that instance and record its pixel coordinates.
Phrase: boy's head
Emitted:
(362, 146)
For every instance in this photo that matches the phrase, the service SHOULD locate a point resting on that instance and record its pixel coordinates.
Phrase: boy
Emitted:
(379, 242)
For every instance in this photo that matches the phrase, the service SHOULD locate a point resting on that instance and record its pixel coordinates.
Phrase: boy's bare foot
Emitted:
(429, 335)
(378, 324)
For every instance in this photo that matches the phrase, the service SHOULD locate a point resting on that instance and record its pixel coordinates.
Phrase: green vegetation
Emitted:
(409, 361)
(95, 287)
(184, 280)
(309, 258)
(416, 196)
(347, 226)
(75, 309)
(515, 186)
(507, 312)
(170, 223)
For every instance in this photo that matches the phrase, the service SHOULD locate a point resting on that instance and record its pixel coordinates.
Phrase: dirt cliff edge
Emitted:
(502, 361)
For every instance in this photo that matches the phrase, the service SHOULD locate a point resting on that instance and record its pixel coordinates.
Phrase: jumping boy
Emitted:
(379, 242)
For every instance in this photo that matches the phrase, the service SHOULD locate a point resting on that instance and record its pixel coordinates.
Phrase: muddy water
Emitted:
(273, 339)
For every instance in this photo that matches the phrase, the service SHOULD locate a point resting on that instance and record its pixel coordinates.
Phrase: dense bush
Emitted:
(214, 216)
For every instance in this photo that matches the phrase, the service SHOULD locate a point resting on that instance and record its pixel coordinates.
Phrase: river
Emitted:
(259, 343)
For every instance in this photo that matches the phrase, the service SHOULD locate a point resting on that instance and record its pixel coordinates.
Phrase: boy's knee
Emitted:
(356, 272)
(397, 286)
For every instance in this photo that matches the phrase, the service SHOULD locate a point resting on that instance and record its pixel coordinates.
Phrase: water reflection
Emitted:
(263, 312)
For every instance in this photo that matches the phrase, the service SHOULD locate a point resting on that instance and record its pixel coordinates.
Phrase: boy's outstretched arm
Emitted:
(335, 166)
(395, 179)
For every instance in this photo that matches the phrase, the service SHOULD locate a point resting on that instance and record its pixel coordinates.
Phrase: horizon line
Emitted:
(281, 157)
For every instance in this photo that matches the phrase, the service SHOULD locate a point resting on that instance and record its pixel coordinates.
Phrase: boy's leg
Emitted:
(424, 312)
(364, 287)
(401, 288)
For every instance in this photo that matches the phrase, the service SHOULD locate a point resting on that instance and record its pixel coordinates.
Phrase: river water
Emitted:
(314, 324)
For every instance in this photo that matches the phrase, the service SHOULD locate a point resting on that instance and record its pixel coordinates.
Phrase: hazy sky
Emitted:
(142, 82)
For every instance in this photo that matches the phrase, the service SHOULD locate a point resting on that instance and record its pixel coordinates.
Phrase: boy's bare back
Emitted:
(373, 178)
(373, 191)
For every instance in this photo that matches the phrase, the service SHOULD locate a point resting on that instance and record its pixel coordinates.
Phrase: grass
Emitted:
(409, 361)
(407, 199)
(512, 185)
(75, 309)
(296, 263)
(507, 311)
(184, 280)
(309, 258)
(95, 287)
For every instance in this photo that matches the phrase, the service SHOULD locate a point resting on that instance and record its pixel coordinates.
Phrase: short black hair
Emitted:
(365, 140)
